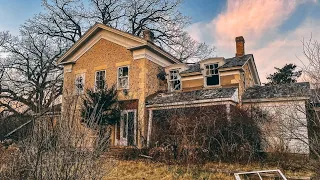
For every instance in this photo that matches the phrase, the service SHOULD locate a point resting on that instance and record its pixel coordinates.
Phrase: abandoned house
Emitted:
(150, 79)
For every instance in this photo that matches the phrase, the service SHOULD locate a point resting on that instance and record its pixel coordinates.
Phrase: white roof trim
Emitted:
(274, 99)
(85, 43)
(198, 103)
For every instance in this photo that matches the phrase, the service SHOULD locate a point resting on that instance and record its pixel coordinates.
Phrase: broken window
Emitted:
(123, 77)
(174, 80)
(212, 74)
(79, 84)
(100, 80)
(260, 175)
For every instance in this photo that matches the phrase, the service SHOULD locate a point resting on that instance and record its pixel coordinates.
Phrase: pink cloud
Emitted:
(258, 21)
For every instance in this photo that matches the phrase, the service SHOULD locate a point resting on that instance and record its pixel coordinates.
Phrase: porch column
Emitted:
(149, 127)
(228, 112)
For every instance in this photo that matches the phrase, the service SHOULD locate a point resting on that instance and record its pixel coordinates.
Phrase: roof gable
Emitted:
(101, 31)
(93, 35)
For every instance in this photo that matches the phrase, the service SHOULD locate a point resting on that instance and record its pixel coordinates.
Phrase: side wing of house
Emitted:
(285, 109)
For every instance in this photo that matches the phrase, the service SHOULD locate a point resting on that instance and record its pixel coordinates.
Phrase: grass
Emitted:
(140, 169)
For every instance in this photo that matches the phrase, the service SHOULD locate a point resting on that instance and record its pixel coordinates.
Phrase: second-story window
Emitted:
(123, 77)
(212, 75)
(100, 81)
(174, 80)
(79, 84)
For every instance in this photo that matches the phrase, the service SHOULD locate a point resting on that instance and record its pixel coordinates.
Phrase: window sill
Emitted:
(212, 86)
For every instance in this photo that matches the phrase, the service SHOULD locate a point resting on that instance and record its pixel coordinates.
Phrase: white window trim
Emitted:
(205, 76)
(116, 142)
(120, 88)
(83, 75)
(95, 79)
(169, 81)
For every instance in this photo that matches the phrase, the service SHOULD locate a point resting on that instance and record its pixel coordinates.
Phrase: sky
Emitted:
(272, 29)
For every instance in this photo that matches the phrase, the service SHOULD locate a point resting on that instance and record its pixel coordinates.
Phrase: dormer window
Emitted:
(174, 80)
(212, 74)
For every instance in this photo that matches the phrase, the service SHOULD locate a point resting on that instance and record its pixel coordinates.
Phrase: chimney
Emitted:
(239, 46)
(148, 35)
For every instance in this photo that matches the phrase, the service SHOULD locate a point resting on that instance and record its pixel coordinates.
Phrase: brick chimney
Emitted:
(240, 46)
(148, 35)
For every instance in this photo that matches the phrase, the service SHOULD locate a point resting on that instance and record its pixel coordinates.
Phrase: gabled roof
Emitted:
(277, 91)
(192, 68)
(236, 61)
(140, 43)
(203, 94)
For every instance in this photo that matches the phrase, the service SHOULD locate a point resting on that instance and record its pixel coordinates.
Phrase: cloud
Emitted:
(258, 21)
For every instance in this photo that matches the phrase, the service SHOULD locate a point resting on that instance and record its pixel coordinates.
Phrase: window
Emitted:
(100, 80)
(212, 74)
(79, 84)
(123, 77)
(174, 80)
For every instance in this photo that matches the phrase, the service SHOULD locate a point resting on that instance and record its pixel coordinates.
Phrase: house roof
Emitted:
(192, 68)
(236, 61)
(277, 91)
(97, 28)
(203, 94)
(230, 63)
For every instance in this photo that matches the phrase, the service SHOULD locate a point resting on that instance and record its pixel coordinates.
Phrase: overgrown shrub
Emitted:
(58, 149)
(206, 133)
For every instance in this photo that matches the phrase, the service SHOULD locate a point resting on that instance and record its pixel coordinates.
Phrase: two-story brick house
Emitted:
(105, 55)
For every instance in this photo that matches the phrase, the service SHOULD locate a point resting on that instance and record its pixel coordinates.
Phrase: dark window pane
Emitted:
(131, 129)
(216, 65)
(213, 80)
(118, 130)
(125, 120)
(125, 71)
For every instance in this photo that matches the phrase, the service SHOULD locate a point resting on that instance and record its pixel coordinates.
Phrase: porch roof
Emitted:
(192, 97)
(301, 89)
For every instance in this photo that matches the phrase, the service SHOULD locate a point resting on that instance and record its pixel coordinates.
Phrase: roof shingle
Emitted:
(236, 61)
(175, 97)
(277, 91)
(192, 68)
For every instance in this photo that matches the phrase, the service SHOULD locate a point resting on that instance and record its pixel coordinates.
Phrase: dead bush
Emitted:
(199, 134)
(58, 149)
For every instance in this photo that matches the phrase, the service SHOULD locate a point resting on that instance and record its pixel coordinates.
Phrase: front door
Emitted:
(126, 129)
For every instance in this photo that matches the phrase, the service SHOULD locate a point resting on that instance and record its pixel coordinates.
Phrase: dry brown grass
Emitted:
(211, 171)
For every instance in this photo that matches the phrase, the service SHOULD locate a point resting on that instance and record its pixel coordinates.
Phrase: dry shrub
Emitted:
(199, 134)
(58, 149)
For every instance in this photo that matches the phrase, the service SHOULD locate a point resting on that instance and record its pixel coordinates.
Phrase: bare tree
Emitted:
(70, 19)
(30, 79)
(311, 50)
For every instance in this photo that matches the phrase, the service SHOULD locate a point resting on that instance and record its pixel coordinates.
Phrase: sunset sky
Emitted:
(273, 29)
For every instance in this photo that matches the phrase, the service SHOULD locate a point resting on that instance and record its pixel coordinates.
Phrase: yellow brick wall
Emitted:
(192, 84)
(105, 55)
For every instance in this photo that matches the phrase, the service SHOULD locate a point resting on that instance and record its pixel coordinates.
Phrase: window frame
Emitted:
(210, 75)
(82, 75)
(118, 78)
(95, 79)
(171, 89)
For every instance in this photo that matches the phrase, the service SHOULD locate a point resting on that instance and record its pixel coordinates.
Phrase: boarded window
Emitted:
(174, 80)
(100, 80)
(79, 84)
(123, 77)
